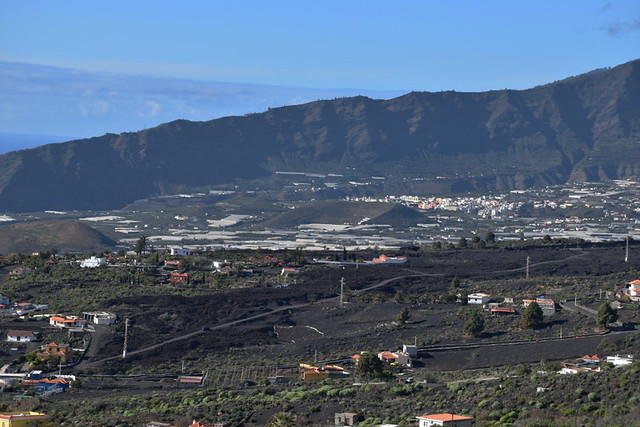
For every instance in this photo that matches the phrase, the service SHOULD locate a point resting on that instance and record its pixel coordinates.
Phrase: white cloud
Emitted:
(93, 108)
(154, 108)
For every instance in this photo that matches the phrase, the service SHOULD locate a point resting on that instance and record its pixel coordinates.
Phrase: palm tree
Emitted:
(282, 419)
(141, 246)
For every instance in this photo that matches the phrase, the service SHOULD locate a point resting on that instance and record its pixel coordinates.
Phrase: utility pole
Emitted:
(626, 254)
(528, 263)
(126, 332)
(341, 292)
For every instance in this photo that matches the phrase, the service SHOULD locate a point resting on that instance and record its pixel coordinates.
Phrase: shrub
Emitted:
(347, 392)
(484, 402)
(333, 392)
(600, 412)
(455, 387)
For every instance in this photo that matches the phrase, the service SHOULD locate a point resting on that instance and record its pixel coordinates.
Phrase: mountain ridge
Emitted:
(579, 128)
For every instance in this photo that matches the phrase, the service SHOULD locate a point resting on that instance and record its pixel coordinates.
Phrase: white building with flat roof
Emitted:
(93, 262)
(99, 317)
(478, 298)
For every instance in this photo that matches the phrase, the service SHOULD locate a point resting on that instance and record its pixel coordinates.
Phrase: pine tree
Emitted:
(462, 243)
(532, 316)
(474, 325)
(369, 366)
(490, 237)
(606, 315)
(404, 316)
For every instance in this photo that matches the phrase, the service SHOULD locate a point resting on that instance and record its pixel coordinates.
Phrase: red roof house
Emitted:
(179, 277)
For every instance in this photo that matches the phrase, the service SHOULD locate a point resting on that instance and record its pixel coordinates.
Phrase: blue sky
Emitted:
(356, 45)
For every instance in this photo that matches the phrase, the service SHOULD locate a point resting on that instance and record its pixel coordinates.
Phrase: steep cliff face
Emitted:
(582, 128)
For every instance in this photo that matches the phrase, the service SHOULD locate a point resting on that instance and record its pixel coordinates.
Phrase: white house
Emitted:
(444, 420)
(478, 298)
(99, 317)
(14, 335)
(410, 349)
(67, 322)
(620, 360)
(632, 290)
(93, 262)
(397, 357)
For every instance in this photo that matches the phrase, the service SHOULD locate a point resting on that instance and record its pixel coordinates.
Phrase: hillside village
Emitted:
(61, 347)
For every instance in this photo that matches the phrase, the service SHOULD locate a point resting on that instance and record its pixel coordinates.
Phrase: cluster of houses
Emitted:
(547, 305)
(64, 322)
(342, 419)
(62, 351)
(18, 308)
(58, 352)
(593, 363)
(173, 272)
(399, 358)
(80, 322)
(226, 268)
(35, 381)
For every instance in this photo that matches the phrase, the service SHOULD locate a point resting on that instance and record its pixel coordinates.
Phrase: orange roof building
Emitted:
(64, 322)
(24, 418)
(63, 351)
